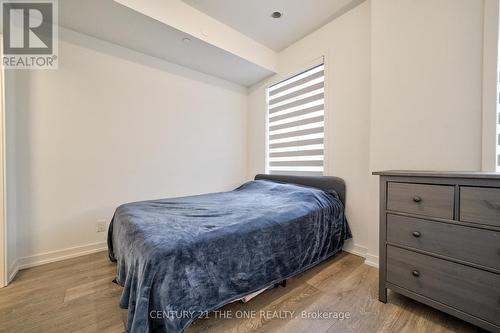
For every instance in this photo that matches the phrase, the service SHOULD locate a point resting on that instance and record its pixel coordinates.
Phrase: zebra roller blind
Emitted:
(296, 111)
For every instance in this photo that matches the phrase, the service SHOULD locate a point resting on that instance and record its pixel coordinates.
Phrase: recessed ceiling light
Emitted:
(186, 40)
(276, 15)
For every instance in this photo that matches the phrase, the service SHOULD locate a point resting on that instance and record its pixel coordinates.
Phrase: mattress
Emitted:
(177, 259)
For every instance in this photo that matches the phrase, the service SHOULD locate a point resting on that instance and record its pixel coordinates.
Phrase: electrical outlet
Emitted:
(101, 226)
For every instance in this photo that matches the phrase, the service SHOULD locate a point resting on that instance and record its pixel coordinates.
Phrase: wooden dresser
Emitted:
(440, 241)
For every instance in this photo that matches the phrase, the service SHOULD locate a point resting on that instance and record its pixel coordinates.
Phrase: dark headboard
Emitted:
(322, 182)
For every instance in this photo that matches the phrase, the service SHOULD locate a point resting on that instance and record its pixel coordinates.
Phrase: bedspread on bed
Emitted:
(179, 258)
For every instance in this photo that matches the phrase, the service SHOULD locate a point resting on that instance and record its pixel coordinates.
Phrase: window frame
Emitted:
(491, 87)
(320, 60)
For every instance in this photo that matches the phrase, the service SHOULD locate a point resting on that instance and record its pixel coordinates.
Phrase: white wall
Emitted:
(112, 126)
(426, 88)
(10, 169)
(426, 84)
(404, 92)
(346, 44)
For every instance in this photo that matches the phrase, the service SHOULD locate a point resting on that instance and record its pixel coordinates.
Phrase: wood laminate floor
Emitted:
(77, 295)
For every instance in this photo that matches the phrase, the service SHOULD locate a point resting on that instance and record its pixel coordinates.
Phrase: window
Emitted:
(494, 17)
(296, 109)
(498, 134)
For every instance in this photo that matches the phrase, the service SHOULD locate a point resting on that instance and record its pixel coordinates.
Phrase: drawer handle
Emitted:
(417, 198)
(416, 234)
(415, 273)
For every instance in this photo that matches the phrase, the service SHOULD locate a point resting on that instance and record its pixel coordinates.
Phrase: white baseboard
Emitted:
(362, 251)
(371, 260)
(13, 269)
(77, 251)
(58, 255)
(356, 249)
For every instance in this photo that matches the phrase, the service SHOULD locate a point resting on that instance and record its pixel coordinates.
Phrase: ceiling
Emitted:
(112, 22)
(253, 17)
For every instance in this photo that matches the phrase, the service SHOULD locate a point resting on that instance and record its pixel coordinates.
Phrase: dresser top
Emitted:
(439, 174)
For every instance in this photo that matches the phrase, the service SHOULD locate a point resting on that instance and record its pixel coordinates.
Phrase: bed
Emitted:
(177, 259)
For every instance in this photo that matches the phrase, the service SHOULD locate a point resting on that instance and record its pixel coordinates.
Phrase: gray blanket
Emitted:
(179, 258)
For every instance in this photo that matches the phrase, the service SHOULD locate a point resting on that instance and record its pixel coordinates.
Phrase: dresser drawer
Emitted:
(465, 288)
(480, 205)
(429, 200)
(474, 245)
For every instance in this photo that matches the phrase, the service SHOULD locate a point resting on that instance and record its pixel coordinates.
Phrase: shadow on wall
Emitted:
(115, 127)
(24, 152)
(24, 212)
(11, 167)
(118, 51)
